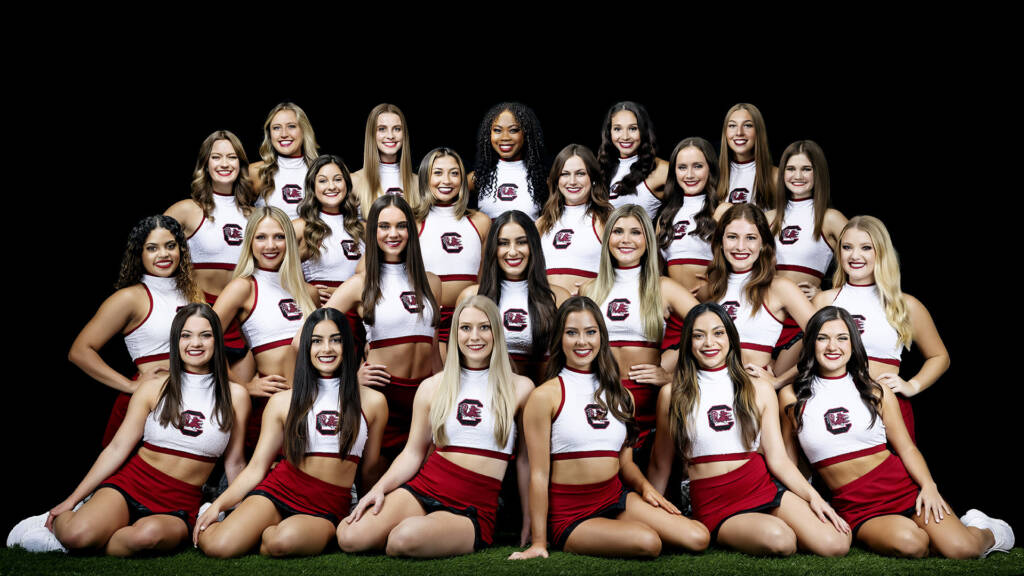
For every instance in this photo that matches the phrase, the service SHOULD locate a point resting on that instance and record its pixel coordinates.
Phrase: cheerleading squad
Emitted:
(376, 357)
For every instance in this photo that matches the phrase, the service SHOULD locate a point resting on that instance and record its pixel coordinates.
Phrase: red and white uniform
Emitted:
(572, 245)
(397, 318)
(275, 316)
(864, 303)
(581, 428)
(796, 247)
(149, 341)
(622, 311)
(515, 318)
(470, 425)
(217, 242)
(391, 178)
(741, 182)
(288, 183)
(199, 436)
(837, 425)
(451, 248)
(643, 197)
(339, 254)
(686, 247)
(716, 430)
(511, 191)
(759, 331)
(323, 424)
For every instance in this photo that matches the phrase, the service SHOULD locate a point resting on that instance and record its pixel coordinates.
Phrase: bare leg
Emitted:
(418, 536)
(157, 533)
(894, 535)
(240, 532)
(812, 535)
(299, 535)
(951, 539)
(676, 531)
(94, 523)
(758, 535)
(614, 538)
(371, 531)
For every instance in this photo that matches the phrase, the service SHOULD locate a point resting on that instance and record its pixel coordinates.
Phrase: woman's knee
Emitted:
(778, 539)
(908, 543)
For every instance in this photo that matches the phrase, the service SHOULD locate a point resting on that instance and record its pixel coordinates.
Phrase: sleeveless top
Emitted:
(622, 314)
(470, 424)
(397, 318)
(864, 303)
(451, 248)
(217, 242)
(837, 425)
(741, 182)
(150, 340)
(511, 191)
(643, 197)
(199, 436)
(581, 428)
(338, 256)
(759, 331)
(572, 245)
(686, 247)
(288, 183)
(391, 178)
(797, 249)
(716, 431)
(515, 317)
(275, 316)
(323, 424)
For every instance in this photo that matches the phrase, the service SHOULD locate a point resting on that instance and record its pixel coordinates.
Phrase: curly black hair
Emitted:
(534, 153)
(608, 154)
(131, 264)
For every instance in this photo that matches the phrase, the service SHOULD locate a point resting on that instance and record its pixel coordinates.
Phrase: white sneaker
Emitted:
(42, 540)
(1002, 532)
(23, 527)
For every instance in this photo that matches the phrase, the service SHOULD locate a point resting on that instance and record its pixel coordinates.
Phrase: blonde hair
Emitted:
(887, 274)
(427, 201)
(268, 154)
(499, 378)
(650, 276)
(291, 267)
(371, 160)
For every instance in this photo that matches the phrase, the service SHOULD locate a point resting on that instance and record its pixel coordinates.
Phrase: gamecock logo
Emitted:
(618, 309)
(837, 421)
(192, 423)
(739, 195)
(789, 234)
(409, 301)
(327, 422)
(292, 193)
(515, 319)
(507, 192)
(289, 309)
(731, 308)
(720, 417)
(451, 242)
(351, 249)
(470, 412)
(679, 229)
(860, 320)
(562, 239)
(597, 417)
(233, 234)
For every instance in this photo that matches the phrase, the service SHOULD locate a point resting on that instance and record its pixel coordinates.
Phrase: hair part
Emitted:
(821, 191)
(291, 265)
(762, 273)
(764, 188)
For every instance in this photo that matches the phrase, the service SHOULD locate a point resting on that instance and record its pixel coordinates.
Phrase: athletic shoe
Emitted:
(42, 540)
(22, 528)
(1001, 531)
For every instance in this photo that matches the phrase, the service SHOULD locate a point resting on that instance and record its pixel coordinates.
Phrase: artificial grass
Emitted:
(492, 562)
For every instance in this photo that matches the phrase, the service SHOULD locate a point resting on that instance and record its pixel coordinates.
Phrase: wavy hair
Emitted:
(266, 172)
(821, 191)
(533, 152)
(132, 269)
(608, 154)
(427, 200)
(371, 157)
(291, 266)
(763, 271)
(764, 187)
(674, 195)
(597, 204)
(316, 230)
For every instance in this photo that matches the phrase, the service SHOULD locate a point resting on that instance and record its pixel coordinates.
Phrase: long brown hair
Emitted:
(674, 195)
(597, 205)
(764, 187)
(763, 271)
(202, 183)
(821, 192)
(315, 229)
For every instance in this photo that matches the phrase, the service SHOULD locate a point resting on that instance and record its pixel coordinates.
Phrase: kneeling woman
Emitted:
(843, 420)
(149, 500)
(326, 424)
(718, 419)
(580, 429)
(469, 411)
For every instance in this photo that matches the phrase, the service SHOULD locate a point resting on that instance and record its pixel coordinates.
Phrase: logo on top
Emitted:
(515, 319)
(328, 422)
(470, 412)
(789, 234)
(233, 234)
(618, 309)
(597, 417)
(837, 420)
(562, 239)
(739, 195)
(720, 417)
(507, 192)
(451, 242)
(192, 423)
(289, 309)
(292, 193)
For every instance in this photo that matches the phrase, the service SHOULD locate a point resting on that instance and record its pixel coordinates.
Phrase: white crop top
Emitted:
(150, 340)
(200, 436)
(741, 182)
(339, 254)
(758, 332)
(391, 178)
(275, 316)
(451, 248)
(796, 247)
(288, 183)
(515, 317)
(470, 425)
(643, 197)
(511, 191)
(686, 247)
(622, 311)
(323, 423)
(581, 428)
(396, 318)
(864, 303)
(716, 430)
(217, 242)
(837, 425)
(572, 245)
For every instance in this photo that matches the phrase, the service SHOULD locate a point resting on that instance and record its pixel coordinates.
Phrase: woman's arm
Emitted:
(188, 213)
(537, 415)
(929, 501)
(126, 307)
(375, 407)
(234, 456)
(660, 466)
(936, 358)
(236, 301)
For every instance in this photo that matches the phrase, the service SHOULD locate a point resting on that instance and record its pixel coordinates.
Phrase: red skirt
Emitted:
(790, 334)
(645, 400)
(150, 491)
(294, 492)
(749, 488)
(117, 414)
(673, 333)
(571, 504)
(444, 324)
(400, 393)
(444, 485)
(907, 411)
(888, 489)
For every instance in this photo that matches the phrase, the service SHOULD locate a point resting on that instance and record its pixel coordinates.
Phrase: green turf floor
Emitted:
(492, 563)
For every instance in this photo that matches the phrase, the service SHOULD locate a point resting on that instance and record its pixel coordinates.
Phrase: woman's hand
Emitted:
(57, 511)
(897, 384)
(827, 514)
(152, 371)
(374, 497)
(266, 386)
(930, 502)
(324, 293)
(809, 290)
(205, 520)
(654, 498)
(649, 374)
(534, 551)
(759, 373)
(373, 375)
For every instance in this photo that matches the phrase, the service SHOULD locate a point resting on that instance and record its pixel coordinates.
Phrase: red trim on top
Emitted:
(593, 225)
(889, 361)
(189, 237)
(388, 163)
(683, 261)
(151, 358)
(747, 271)
(258, 267)
(475, 369)
(765, 306)
(803, 269)
(723, 457)
(562, 403)
(476, 451)
(213, 266)
(229, 194)
(791, 199)
(196, 373)
(330, 283)
(572, 272)
(300, 155)
(833, 377)
(738, 163)
(701, 193)
(585, 454)
(271, 345)
(626, 267)
(471, 223)
(719, 369)
(400, 340)
(860, 285)
(570, 369)
(148, 313)
(758, 347)
(457, 278)
(338, 213)
(850, 456)
(636, 343)
(422, 226)
(174, 452)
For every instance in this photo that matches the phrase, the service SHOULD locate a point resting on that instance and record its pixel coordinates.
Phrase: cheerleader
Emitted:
(469, 414)
(155, 280)
(846, 423)
(725, 426)
(327, 426)
(514, 275)
(579, 431)
(387, 162)
(685, 223)
(867, 285)
(288, 149)
(450, 235)
(632, 172)
(746, 171)
(509, 172)
(573, 218)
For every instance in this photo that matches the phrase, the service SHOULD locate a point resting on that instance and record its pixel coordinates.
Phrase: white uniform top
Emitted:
(275, 316)
(864, 303)
(796, 248)
(686, 247)
(149, 341)
(716, 431)
(288, 183)
(451, 248)
(396, 318)
(759, 331)
(511, 191)
(581, 428)
(391, 178)
(572, 245)
(339, 254)
(470, 425)
(837, 423)
(741, 182)
(323, 424)
(200, 436)
(217, 242)
(622, 311)
(515, 317)
(643, 197)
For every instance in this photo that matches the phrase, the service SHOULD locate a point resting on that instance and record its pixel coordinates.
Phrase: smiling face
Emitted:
(710, 341)
(160, 253)
(627, 242)
(832, 348)
(269, 244)
(799, 176)
(741, 244)
(581, 340)
(740, 134)
(513, 251)
(389, 136)
(691, 170)
(223, 165)
(574, 182)
(857, 256)
(445, 179)
(507, 137)
(392, 233)
(286, 134)
(330, 188)
(325, 346)
(625, 133)
(476, 339)
(195, 345)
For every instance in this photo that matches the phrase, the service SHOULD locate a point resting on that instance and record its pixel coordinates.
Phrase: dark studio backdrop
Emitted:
(900, 146)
